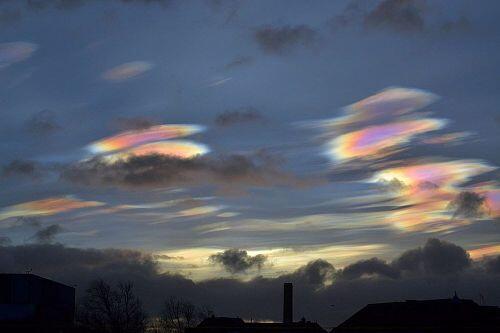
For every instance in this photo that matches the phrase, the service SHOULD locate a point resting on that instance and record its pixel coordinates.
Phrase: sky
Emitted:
(246, 140)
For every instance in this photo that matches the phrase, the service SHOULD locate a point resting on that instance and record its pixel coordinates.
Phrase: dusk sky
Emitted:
(292, 130)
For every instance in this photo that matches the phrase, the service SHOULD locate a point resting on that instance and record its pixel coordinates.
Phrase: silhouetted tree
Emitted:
(111, 310)
(178, 314)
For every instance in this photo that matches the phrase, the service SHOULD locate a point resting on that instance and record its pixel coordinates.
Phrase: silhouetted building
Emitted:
(29, 303)
(288, 303)
(440, 315)
(237, 325)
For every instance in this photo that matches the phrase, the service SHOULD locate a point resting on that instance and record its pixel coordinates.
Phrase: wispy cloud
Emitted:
(46, 207)
(283, 39)
(127, 71)
(129, 139)
(380, 141)
(11, 53)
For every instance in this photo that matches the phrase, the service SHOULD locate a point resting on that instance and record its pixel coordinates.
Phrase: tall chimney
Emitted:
(288, 303)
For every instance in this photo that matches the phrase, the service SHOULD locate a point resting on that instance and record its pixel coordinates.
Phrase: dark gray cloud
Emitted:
(28, 221)
(238, 261)
(75, 266)
(317, 273)
(14, 9)
(373, 266)
(4, 241)
(352, 13)
(166, 257)
(71, 4)
(134, 123)
(392, 185)
(9, 15)
(261, 298)
(21, 168)
(47, 234)
(435, 257)
(468, 204)
(404, 16)
(42, 123)
(161, 170)
(397, 15)
(229, 8)
(280, 40)
(492, 265)
(241, 115)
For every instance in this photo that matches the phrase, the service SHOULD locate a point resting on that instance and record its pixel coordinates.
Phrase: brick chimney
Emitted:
(288, 303)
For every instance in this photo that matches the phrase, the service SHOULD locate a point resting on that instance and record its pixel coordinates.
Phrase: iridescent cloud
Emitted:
(491, 194)
(447, 138)
(394, 100)
(11, 53)
(426, 192)
(175, 148)
(46, 207)
(390, 101)
(126, 140)
(484, 251)
(127, 71)
(493, 202)
(378, 141)
(434, 175)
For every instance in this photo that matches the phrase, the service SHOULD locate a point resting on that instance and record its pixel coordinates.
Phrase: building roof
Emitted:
(30, 277)
(237, 325)
(222, 322)
(425, 315)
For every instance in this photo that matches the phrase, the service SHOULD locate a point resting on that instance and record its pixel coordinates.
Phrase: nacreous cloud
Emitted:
(46, 207)
(175, 148)
(379, 141)
(388, 102)
(128, 139)
(440, 174)
(426, 190)
(127, 71)
(11, 53)
(384, 105)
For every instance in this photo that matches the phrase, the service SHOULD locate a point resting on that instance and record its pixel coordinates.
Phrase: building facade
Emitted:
(29, 302)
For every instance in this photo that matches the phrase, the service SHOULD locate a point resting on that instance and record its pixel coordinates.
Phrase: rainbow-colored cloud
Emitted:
(129, 139)
(175, 148)
(394, 100)
(426, 191)
(381, 140)
(127, 71)
(448, 174)
(484, 251)
(46, 207)
(491, 194)
(11, 53)
(391, 101)
(449, 138)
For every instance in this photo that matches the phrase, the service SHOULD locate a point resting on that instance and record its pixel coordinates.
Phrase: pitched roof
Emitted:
(226, 324)
(426, 314)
